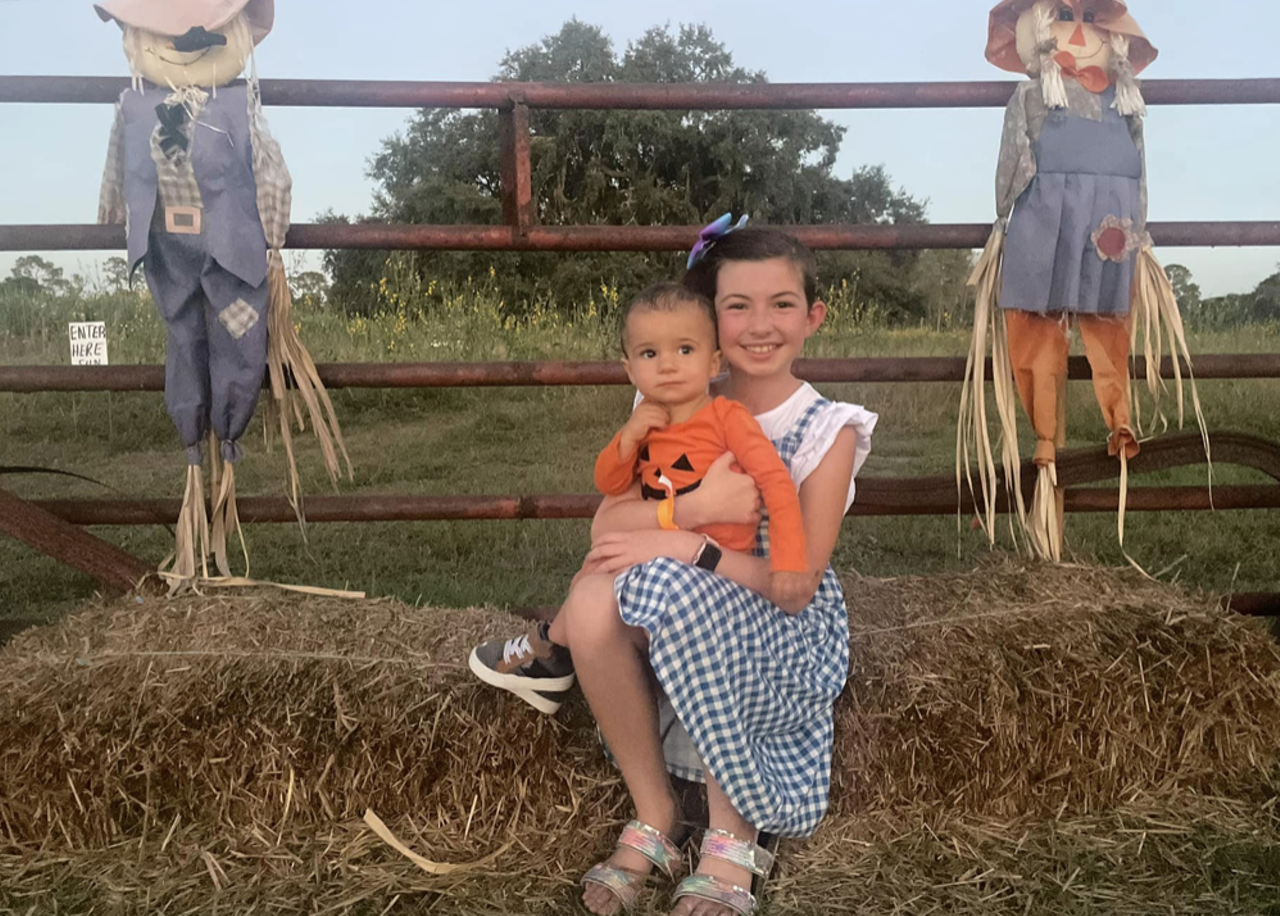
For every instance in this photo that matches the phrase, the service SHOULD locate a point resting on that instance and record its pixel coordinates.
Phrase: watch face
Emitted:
(709, 559)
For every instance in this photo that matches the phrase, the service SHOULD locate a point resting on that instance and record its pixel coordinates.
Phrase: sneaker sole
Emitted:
(523, 687)
(539, 702)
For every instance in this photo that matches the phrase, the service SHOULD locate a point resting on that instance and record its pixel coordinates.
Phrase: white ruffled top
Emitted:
(822, 432)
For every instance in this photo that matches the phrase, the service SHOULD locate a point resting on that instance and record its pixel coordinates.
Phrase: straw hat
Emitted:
(177, 17)
(1112, 15)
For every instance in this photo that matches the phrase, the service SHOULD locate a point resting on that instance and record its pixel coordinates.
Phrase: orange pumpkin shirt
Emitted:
(672, 461)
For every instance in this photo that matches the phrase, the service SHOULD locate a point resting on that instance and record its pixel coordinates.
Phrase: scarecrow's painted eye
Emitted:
(1066, 14)
(1090, 16)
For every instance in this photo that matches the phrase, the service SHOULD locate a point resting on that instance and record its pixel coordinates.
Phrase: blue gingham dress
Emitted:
(751, 686)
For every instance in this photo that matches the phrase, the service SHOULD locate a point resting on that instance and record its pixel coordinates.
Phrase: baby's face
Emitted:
(671, 354)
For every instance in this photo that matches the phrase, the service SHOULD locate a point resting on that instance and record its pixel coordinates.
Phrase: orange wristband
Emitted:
(667, 514)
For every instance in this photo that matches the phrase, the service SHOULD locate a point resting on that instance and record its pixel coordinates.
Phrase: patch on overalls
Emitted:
(238, 318)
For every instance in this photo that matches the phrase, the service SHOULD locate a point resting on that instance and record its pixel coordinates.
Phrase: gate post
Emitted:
(517, 168)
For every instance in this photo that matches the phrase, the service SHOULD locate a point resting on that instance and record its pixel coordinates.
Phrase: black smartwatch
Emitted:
(709, 555)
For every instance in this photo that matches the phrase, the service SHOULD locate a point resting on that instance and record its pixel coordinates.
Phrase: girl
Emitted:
(751, 685)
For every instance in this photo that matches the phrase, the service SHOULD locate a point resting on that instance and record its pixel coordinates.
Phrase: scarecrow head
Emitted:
(1095, 42)
(180, 43)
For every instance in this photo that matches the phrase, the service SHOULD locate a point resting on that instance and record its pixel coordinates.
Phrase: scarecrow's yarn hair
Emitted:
(1129, 101)
(1055, 91)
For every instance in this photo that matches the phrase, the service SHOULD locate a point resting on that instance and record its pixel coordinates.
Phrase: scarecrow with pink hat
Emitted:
(1069, 250)
(203, 190)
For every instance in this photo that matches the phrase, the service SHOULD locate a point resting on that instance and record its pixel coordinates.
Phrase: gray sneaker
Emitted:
(531, 666)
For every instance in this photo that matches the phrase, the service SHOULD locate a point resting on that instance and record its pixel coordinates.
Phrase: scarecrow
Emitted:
(204, 194)
(1069, 250)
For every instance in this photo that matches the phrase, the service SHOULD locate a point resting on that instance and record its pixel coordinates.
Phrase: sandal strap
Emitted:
(709, 887)
(653, 844)
(720, 844)
(625, 885)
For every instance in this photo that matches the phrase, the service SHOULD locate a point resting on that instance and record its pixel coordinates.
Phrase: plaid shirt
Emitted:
(177, 181)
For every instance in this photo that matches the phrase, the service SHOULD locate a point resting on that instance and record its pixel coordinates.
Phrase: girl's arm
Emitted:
(822, 498)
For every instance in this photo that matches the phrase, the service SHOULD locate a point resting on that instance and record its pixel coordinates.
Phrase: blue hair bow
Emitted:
(712, 234)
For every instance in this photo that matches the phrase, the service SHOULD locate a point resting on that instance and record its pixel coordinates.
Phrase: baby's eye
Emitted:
(1090, 16)
(1066, 14)
(648, 354)
(686, 350)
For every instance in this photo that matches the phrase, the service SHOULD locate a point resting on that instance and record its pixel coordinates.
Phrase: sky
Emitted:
(1205, 163)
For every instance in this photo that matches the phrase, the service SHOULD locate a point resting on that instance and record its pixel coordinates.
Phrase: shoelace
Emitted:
(516, 647)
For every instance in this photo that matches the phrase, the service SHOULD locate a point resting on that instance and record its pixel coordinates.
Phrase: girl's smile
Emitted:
(763, 317)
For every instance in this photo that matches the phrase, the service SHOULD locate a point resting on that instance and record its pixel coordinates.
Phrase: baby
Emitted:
(678, 430)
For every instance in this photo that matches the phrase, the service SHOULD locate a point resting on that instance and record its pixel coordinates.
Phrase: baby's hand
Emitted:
(644, 420)
(791, 591)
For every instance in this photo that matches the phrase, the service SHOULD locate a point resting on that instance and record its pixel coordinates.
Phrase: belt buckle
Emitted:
(182, 220)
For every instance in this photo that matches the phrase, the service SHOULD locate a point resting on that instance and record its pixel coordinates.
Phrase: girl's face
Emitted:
(763, 321)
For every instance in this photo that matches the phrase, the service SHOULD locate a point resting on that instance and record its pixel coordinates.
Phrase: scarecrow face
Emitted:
(198, 58)
(1077, 34)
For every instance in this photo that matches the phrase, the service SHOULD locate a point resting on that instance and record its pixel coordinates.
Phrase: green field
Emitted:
(512, 441)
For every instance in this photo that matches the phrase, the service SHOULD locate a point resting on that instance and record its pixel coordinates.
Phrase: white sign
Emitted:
(88, 343)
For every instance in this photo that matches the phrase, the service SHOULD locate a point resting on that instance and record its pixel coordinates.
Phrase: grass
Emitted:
(508, 441)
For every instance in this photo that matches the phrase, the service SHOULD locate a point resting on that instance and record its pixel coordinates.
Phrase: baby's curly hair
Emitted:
(666, 296)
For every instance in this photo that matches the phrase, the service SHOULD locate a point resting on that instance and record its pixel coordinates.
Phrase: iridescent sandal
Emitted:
(717, 844)
(626, 885)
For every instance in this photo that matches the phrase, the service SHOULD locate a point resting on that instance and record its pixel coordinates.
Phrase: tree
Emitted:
(625, 168)
(1185, 288)
(116, 272)
(310, 287)
(46, 277)
(1266, 299)
(1187, 292)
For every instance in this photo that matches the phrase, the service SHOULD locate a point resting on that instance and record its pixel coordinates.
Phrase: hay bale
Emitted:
(160, 751)
(1051, 691)
(275, 710)
(1189, 856)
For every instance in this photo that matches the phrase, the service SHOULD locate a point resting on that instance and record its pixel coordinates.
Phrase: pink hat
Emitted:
(177, 17)
(1113, 15)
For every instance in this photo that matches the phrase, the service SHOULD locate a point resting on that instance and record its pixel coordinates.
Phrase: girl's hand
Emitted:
(614, 553)
(725, 496)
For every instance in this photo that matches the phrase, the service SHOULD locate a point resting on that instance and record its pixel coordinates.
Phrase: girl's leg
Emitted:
(723, 816)
(612, 665)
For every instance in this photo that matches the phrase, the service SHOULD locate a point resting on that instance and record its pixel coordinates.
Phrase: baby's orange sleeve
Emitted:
(757, 456)
(615, 472)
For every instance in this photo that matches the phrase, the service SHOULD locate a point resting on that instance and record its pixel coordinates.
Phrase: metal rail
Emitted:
(880, 501)
(31, 379)
(636, 96)
(402, 237)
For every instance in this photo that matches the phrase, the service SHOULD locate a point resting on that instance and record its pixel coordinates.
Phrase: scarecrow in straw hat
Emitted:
(1069, 249)
(204, 193)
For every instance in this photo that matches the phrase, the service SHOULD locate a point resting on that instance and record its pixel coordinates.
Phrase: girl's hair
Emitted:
(666, 296)
(753, 245)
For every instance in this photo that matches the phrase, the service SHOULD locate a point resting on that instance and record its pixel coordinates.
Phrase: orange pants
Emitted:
(1038, 347)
